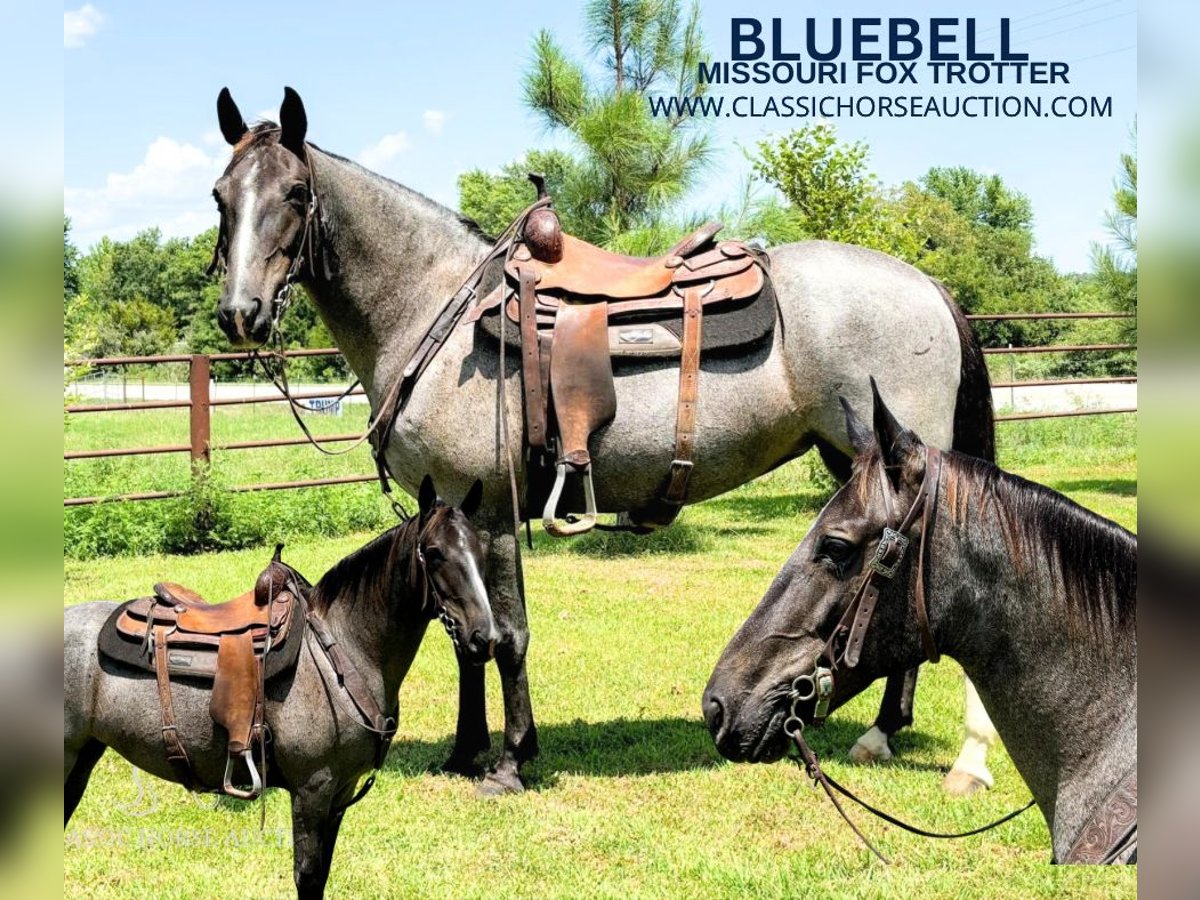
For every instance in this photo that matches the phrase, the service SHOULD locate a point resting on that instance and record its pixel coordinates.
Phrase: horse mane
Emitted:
(266, 132)
(1093, 558)
(368, 573)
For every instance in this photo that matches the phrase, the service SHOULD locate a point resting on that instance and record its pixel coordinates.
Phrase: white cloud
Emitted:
(434, 120)
(80, 24)
(170, 188)
(384, 150)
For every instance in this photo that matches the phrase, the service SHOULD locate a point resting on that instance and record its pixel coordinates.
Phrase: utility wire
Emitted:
(1078, 12)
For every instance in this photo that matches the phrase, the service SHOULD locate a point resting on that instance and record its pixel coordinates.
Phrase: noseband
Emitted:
(843, 650)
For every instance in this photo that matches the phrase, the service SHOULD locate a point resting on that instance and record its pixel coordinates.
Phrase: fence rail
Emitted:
(200, 404)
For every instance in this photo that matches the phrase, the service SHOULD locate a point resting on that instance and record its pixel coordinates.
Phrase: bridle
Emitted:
(843, 649)
(304, 257)
(433, 602)
(384, 416)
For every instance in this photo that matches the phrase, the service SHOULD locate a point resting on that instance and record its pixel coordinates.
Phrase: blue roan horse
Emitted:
(380, 262)
(1035, 596)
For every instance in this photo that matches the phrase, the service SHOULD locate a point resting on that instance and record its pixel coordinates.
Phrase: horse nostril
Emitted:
(478, 646)
(714, 713)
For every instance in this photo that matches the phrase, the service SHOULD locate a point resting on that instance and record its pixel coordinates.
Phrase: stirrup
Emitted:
(256, 785)
(570, 524)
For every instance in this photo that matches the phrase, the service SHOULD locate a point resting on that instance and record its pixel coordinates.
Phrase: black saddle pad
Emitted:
(729, 329)
(197, 662)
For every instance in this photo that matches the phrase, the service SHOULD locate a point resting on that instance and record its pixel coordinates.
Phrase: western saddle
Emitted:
(575, 306)
(236, 646)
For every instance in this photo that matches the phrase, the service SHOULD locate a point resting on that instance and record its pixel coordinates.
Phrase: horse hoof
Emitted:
(498, 784)
(958, 783)
(872, 747)
(462, 766)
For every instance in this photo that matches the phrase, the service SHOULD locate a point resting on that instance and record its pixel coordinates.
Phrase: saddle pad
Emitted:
(122, 639)
(730, 327)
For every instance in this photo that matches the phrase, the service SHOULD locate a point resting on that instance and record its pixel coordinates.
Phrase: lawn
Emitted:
(629, 797)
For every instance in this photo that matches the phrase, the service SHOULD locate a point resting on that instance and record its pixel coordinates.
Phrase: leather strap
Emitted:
(531, 366)
(852, 627)
(664, 508)
(867, 598)
(176, 754)
(930, 488)
(1110, 835)
(812, 765)
(356, 688)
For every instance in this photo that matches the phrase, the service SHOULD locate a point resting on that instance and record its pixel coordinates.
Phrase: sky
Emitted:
(423, 92)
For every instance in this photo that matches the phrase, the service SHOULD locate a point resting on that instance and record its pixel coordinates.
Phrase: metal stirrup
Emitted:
(570, 524)
(256, 785)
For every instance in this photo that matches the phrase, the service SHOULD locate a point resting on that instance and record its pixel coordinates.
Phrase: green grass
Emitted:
(240, 520)
(629, 797)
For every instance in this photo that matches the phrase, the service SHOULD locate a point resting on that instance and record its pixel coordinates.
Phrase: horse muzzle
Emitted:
(246, 323)
(745, 732)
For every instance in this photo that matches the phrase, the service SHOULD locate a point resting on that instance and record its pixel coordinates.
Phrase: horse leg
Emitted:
(895, 712)
(970, 771)
(78, 765)
(506, 588)
(314, 829)
(837, 462)
(471, 736)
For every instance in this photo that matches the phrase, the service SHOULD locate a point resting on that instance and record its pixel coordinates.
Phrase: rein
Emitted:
(383, 419)
(843, 649)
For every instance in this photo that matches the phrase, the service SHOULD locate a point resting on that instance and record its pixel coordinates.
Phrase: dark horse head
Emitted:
(747, 698)
(446, 572)
(431, 566)
(269, 218)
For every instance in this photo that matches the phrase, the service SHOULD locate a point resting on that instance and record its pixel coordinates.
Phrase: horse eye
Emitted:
(217, 197)
(433, 554)
(298, 194)
(836, 550)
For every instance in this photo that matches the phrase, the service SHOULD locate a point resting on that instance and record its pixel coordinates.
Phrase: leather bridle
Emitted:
(843, 649)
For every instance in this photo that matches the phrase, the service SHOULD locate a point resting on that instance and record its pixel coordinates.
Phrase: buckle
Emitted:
(890, 541)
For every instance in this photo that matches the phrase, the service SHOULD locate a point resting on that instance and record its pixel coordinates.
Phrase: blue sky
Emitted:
(423, 92)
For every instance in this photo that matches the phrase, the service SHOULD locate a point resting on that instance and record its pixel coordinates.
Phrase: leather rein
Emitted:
(383, 418)
(843, 649)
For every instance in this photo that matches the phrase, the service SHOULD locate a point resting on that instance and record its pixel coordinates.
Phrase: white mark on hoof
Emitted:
(959, 783)
(872, 747)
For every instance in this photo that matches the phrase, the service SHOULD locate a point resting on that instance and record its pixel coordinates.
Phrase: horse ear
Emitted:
(427, 496)
(862, 439)
(470, 504)
(898, 446)
(293, 122)
(233, 126)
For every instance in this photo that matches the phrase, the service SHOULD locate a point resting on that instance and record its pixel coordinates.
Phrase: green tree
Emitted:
(825, 180)
(1114, 265)
(493, 201)
(70, 263)
(981, 199)
(629, 166)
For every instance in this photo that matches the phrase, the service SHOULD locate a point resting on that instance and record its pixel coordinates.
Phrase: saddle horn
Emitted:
(543, 233)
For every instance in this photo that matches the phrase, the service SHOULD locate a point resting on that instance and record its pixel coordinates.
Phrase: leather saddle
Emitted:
(575, 306)
(235, 646)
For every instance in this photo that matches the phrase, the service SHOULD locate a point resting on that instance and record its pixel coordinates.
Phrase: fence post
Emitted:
(198, 378)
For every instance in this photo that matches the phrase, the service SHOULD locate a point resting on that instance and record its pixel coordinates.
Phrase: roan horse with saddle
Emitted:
(574, 306)
(303, 677)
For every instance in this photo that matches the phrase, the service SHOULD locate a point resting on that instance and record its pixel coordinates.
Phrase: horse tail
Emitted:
(974, 425)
